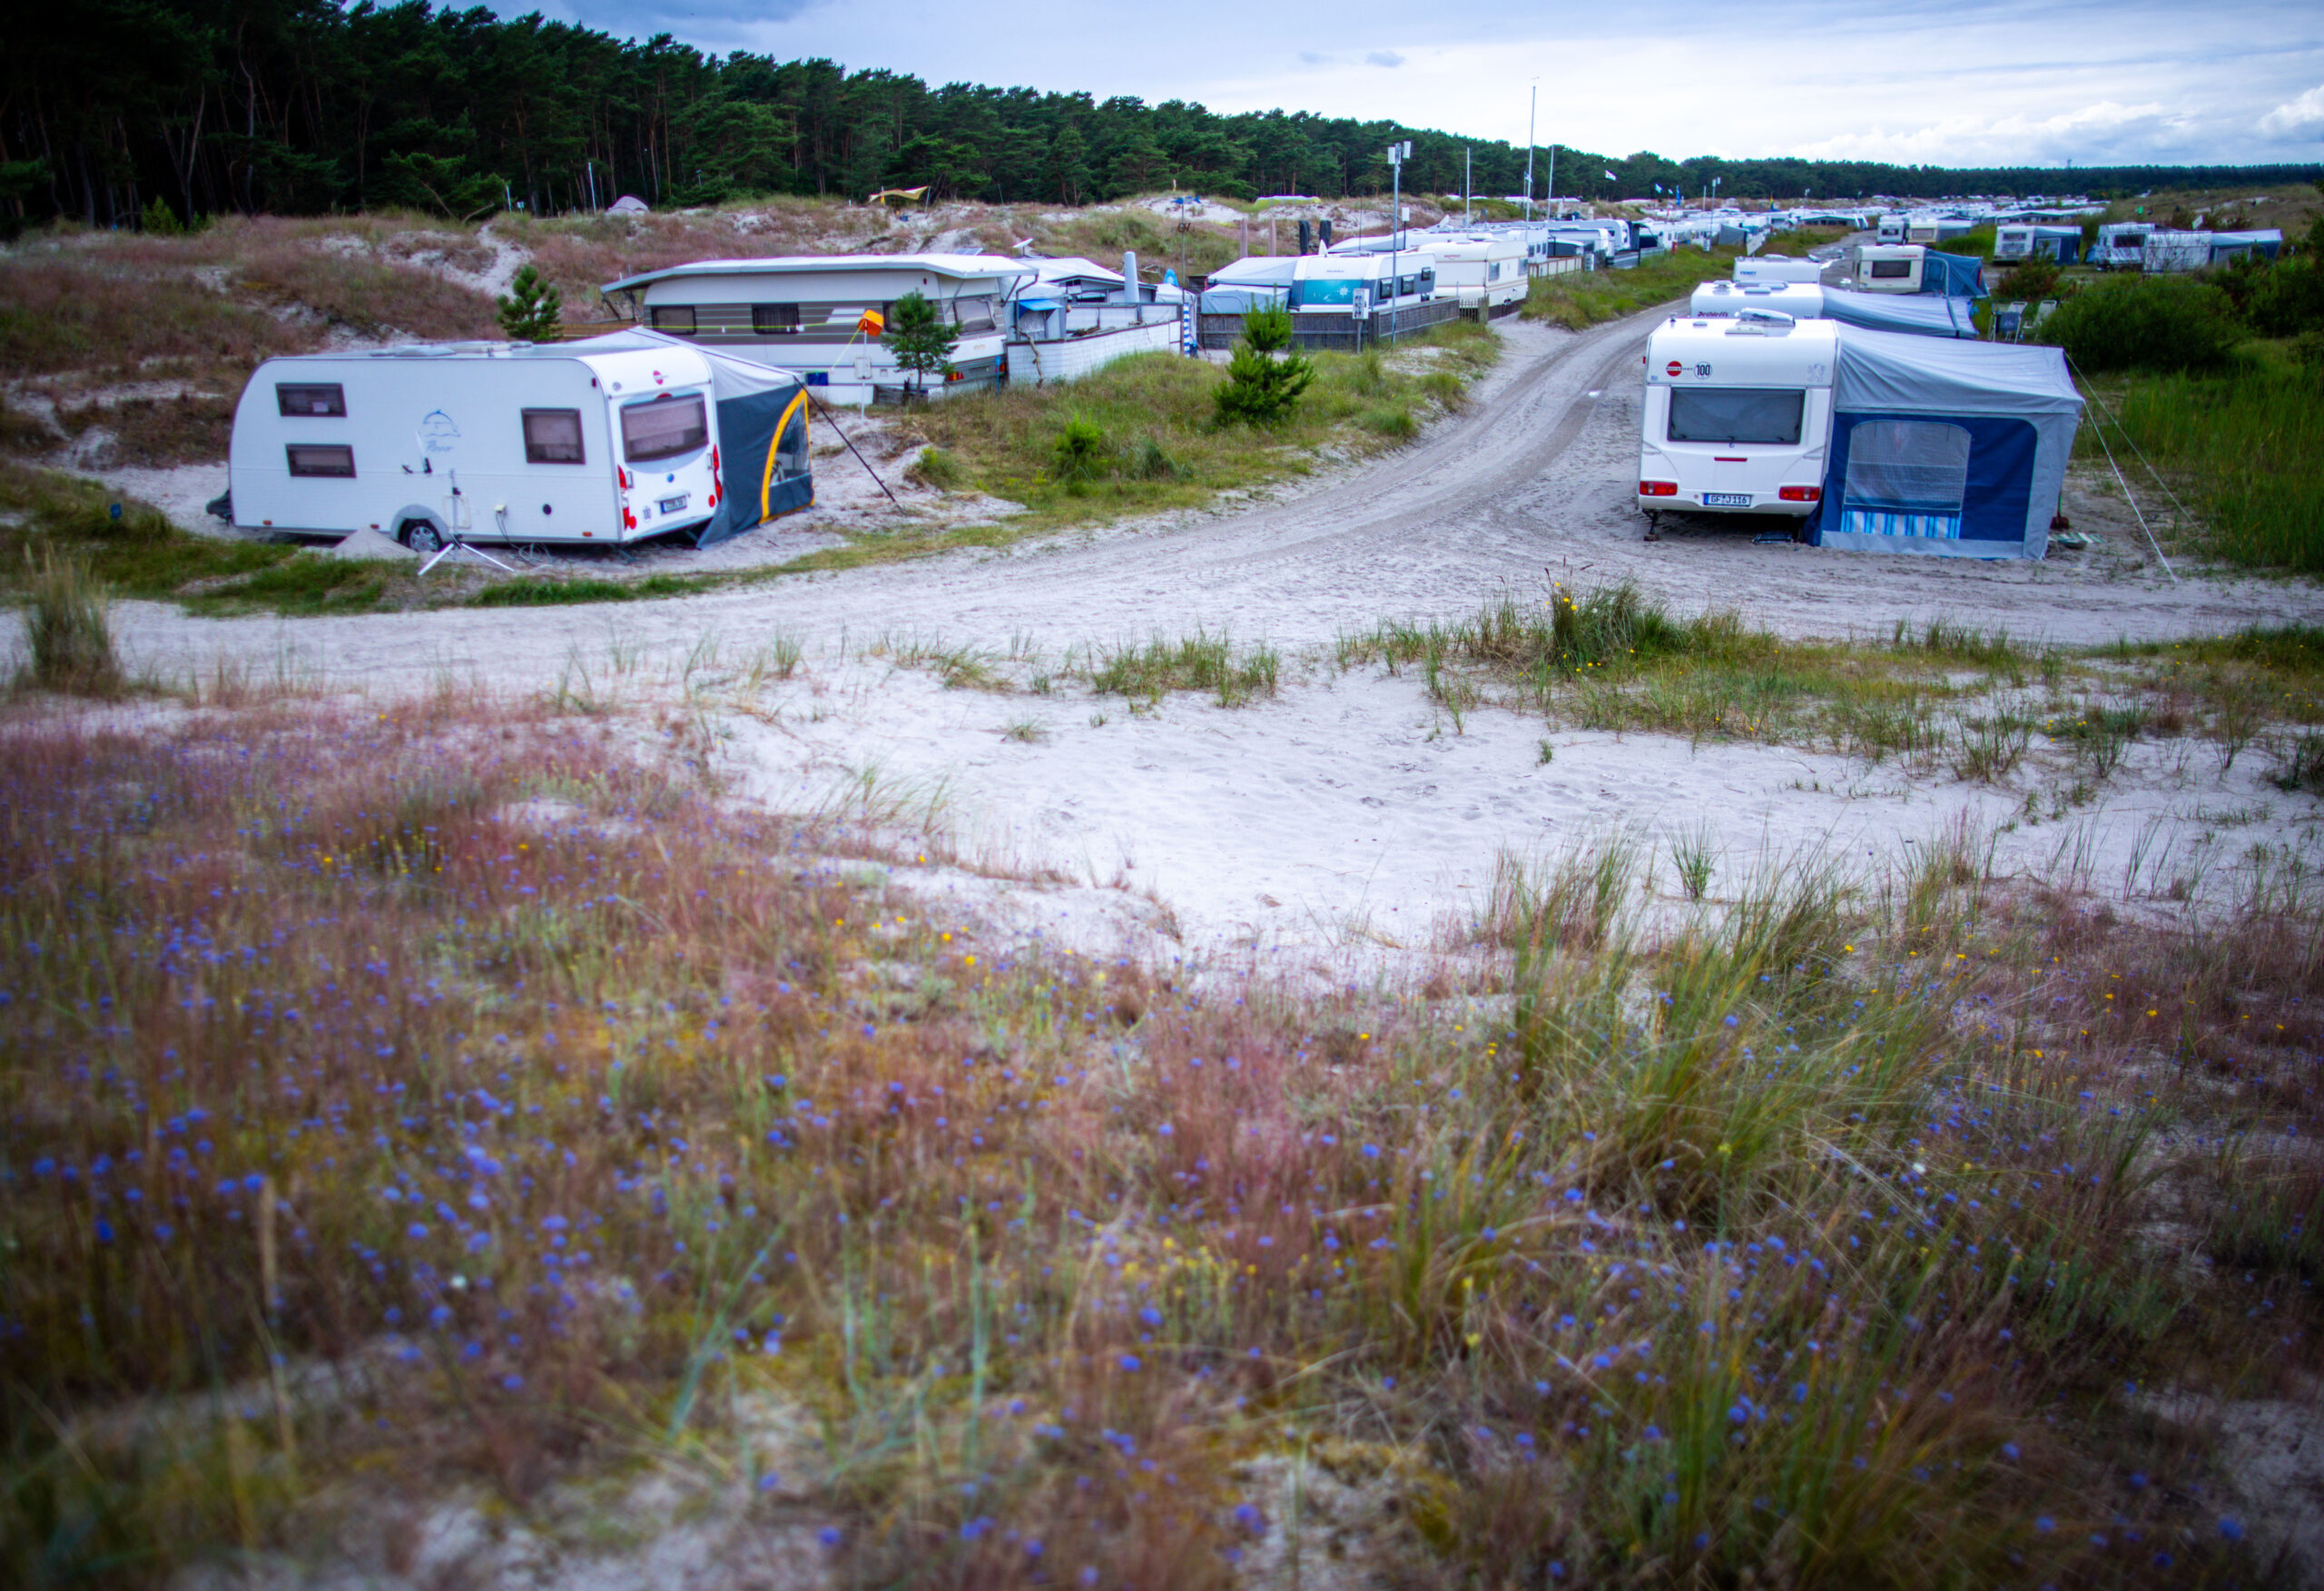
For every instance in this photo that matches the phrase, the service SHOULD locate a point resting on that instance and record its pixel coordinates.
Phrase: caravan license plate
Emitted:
(672, 504)
(1727, 499)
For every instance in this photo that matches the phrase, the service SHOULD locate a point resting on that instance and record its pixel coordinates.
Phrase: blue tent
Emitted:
(1956, 276)
(1946, 447)
(1922, 314)
(762, 468)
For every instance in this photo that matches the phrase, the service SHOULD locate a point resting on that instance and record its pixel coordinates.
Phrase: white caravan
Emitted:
(1737, 415)
(1801, 300)
(1883, 268)
(1773, 268)
(1487, 272)
(1922, 229)
(486, 441)
(1350, 284)
(1891, 230)
(2121, 245)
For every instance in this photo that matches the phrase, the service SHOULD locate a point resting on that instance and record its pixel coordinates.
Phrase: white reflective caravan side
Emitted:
(1481, 270)
(1800, 300)
(1889, 269)
(1329, 284)
(1890, 230)
(1737, 415)
(485, 441)
(1772, 268)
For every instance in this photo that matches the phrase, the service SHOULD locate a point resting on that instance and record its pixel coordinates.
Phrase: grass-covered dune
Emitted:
(452, 1105)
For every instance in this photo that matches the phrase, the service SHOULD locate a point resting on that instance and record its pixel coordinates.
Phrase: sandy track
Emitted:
(1537, 474)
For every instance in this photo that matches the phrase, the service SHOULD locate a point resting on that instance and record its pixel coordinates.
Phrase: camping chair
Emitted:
(2041, 311)
(2009, 320)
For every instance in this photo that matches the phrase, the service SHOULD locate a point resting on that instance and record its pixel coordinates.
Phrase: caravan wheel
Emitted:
(420, 536)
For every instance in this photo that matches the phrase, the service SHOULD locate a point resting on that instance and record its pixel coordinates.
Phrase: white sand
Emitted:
(1346, 821)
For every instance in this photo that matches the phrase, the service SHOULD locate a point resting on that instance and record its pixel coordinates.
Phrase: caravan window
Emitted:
(664, 428)
(322, 462)
(1769, 416)
(673, 317)
(1918, 467)
(974, 314)
(553, 436)
(325, 400)
(1891, 269)
(774, 319)
(1308, 295)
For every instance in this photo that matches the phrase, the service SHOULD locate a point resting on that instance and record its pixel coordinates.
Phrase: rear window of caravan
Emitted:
(1891, 269)
(1768, 416)
(553, 436)
(665, 428)
(330, 461)
(328, 399)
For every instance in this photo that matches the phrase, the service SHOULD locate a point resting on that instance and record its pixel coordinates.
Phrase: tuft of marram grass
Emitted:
(67, 630)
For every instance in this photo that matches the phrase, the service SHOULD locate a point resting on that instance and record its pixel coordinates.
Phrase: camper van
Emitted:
(1344, 284)
(2121, 246)
(1773, 268)
(611, 440)
(1737, 415)
(1487, 272)
(1882, 268)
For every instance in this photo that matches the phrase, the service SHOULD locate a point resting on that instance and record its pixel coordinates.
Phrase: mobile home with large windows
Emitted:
(611, 440)
(824, 316)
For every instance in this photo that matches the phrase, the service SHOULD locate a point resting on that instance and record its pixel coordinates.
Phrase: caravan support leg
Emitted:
(1653, 525)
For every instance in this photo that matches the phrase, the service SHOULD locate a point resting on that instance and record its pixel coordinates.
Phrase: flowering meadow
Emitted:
(465, 1099)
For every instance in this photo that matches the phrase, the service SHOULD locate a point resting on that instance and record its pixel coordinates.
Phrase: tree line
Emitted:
(110, 107)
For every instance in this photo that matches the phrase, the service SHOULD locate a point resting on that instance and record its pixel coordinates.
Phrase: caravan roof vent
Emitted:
(1760, 323)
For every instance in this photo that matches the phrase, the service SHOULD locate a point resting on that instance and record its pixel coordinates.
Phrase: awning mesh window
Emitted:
(1919, 466)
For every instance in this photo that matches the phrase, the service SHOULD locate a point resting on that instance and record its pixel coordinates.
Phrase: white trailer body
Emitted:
(1891, 230)
(1330, 284)
(1484, 272)
(1922, 229)
(1771, 268)
(1799, 300)
(1882, 268)
(1737, 418)
(483, 441)
(2170, 251)
(2121, 246)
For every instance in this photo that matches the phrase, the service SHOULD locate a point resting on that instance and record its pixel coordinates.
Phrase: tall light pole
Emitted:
(1397, 155)
(1532, 102)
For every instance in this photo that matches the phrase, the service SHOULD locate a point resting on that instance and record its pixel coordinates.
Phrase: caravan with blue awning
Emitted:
(1923, 314)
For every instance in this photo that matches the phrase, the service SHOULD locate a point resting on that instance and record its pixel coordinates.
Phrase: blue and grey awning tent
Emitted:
(1956, 276)
(1921, 314)
(1946, 447)
(763, 470)
(1258, 281)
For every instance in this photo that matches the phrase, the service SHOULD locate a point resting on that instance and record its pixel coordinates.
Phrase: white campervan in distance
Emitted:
(1331, 284)
(1882, 268)
(483, 441)
(1737, 416)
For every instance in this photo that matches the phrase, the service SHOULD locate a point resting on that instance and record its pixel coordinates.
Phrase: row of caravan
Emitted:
(1876, 440)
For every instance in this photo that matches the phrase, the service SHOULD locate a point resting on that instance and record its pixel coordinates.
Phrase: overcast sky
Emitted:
(2032, 82)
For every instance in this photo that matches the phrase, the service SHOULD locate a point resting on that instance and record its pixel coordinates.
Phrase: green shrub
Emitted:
(938, 468)
(1081, 450)
(2282, 299)
(68, 633)
(2160, 324)
(533, 310)
(1265, 378)
(1978, 243)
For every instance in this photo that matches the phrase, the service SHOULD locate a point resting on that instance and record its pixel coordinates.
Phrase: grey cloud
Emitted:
(1314, 58)
(1383, 58)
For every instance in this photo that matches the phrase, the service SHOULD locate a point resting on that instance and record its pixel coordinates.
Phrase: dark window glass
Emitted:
(327, 461)
(1769, 416)
(1884, 269)
(553, 436)
(774, 319)
(664, 428)
(677, 318)
(326, 399)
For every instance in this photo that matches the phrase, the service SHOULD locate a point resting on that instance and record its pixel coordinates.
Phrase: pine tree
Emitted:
(919, 337)
(1265, 378)
(533, 308)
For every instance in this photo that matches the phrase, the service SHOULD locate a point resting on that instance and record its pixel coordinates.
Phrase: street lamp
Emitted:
(1398, 153)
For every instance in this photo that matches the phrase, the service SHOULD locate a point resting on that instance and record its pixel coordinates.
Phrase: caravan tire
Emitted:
(421, 536)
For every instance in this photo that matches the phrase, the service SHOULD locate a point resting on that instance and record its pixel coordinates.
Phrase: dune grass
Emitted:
(1589, 297)
(376, 1128)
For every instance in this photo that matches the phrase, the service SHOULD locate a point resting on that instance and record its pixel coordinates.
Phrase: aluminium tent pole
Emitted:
(866, 462)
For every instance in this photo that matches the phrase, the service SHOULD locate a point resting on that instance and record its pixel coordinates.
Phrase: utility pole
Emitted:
(1532, 102)
(1467, 182)
(1551, 196)
(1397, 155)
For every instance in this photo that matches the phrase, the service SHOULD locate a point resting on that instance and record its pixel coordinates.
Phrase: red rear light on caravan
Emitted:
(622, 475)
(1657, 488)
(628, 519)
(1801, 494)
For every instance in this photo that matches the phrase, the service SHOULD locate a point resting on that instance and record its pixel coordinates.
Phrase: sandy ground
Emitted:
(1347, 820)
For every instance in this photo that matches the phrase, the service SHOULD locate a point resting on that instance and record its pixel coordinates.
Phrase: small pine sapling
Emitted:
(920, 338)
(1266, 376)
(533, 308)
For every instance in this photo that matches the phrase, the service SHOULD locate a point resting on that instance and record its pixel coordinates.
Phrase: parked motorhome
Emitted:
(1335, 284)
(2029, 240)
(1486, 273)
(610, 440)
(821, 315)
(2121, 245)
(1762, 269)
(1736, 415)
